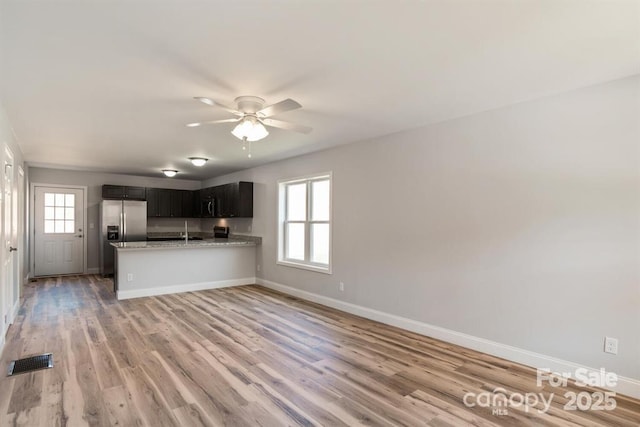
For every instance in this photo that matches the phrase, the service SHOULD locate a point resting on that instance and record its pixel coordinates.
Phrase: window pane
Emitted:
(295, 241)
(48, 226)
(59, 213)
(49, 199)
(59, 199)
(59, 226)
(297, 202)
(320, 243)
(69, 200)
(48, 213)
(320, 202)
(68, 226)
(68, 213)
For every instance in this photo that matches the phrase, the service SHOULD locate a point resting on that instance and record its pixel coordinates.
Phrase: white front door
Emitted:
(59, 231)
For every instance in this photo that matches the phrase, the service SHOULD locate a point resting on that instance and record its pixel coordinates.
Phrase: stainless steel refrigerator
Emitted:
(120, 221)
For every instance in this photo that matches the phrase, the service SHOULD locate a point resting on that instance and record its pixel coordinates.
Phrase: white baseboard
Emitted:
(94, 270)
(188, 287)
(625, 385)
(14, 311)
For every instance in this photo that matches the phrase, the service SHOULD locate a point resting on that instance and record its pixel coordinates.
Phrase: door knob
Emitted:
(79, 235)
(12, 249)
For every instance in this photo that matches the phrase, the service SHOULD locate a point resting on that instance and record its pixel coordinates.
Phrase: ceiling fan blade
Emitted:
(193, 125)
(286, 125)
(213, 103)
(278, 107)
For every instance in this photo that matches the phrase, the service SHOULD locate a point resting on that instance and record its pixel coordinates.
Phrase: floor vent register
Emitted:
(29, 364)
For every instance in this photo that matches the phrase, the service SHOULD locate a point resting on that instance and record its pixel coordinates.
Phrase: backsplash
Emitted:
(168, 225)
(236, 225)
(176, 225)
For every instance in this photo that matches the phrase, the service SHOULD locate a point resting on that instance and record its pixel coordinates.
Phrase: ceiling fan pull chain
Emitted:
(249, 150)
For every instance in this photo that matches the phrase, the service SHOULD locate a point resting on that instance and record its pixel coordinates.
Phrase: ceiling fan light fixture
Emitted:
(198, 161)
(250, 129)
(169, 173)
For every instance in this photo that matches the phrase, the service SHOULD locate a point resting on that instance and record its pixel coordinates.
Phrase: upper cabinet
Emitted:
(234, 200)
(166, 203)
(121, 192)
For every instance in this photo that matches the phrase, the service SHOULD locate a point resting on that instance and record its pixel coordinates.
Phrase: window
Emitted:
(304, 226)
(59, 209)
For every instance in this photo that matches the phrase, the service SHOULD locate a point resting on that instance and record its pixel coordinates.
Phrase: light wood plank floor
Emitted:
(248, 356)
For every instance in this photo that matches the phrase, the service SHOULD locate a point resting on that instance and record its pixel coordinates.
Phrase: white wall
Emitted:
(94, 182)
(519, 225)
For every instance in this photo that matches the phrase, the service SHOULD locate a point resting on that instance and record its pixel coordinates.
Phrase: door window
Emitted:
(59, 213)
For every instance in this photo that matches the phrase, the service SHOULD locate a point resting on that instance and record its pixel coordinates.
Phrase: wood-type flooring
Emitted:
(249, 356)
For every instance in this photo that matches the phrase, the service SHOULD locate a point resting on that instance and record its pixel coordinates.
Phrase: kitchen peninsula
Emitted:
(166, 267)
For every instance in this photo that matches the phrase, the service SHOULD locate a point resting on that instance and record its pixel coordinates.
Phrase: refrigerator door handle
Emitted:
(124, 227)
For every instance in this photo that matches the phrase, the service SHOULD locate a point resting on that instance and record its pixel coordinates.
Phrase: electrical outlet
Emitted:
(258, 267)
(249, 229)
(610, 345)
(130, 277)
(341, 286)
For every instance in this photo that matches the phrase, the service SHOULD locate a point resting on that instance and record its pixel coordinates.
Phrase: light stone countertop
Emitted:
(177, 244)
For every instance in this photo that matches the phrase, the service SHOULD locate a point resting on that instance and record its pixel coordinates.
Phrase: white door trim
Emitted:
(32, 216)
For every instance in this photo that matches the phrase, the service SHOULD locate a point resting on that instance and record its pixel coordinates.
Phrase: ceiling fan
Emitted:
(253, 116)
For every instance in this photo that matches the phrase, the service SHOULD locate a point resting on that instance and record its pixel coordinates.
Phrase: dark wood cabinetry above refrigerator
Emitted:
(121, 192)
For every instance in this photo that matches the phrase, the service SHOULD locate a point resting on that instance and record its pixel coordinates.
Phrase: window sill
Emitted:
(324, 270)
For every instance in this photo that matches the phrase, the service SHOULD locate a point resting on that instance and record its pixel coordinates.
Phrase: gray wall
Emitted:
(518, 225)
(94, 182)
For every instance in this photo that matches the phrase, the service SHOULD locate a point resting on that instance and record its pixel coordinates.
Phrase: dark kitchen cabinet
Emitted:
(234, 200)
(158, 202)
(167, 203)
(187, 203)
(121, 192)
(196, 204)
(152, 202)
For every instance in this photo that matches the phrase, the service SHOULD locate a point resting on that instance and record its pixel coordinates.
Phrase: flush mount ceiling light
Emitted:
(253, 116)
(198, 161)
(170, 173)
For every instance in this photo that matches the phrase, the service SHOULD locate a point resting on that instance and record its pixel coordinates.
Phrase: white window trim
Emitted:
(304, 265)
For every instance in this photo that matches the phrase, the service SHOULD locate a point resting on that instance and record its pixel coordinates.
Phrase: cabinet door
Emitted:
(176, 203)
(187, 203)
(113, 192)
(134, 193)
(164, 202)
(245, 199)
(196, 204)
(152, 202)
(215, 194)
(231, 196)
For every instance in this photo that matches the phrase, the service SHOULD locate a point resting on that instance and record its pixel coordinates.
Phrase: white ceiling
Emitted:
(108, 85)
